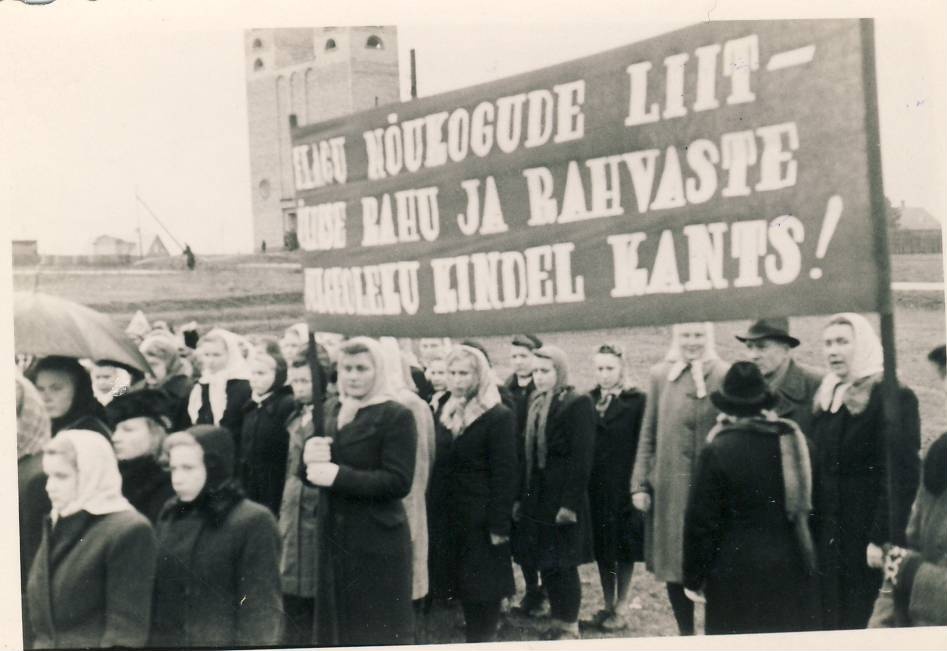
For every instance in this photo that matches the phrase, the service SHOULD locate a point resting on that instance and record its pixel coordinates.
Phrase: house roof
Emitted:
(917, 219)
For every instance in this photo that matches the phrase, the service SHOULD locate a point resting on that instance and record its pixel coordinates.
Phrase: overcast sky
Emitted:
(98, 102)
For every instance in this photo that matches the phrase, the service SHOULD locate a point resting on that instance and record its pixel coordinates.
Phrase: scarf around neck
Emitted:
(379, 392)
(678, 364)
(540, 404)
(867, 368)
(460, 412)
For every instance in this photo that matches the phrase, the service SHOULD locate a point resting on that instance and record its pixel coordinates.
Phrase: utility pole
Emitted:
(414, 77)
(141, 253)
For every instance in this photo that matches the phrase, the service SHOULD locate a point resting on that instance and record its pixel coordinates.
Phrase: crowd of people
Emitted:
(317, 490)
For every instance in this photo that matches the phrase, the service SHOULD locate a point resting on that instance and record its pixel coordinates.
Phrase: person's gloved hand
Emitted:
(892, 564)
(874, 556)
(317, 450)
(322, 473)
(566, 516)
(641, 501)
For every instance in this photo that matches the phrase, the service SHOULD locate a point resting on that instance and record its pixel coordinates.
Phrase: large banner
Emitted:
(717, 172)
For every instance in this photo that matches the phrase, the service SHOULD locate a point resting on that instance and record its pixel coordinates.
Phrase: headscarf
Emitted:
(221, 491)
(165, 347)
(33, 427)
(84, 403)
(865, 370)
(138, 326)
(100, 483)
(123, 380)
(236, 369)
(280, 372)
(539, 405)
(460, 412)
(300, 331)
(625, 383)
(678, 364)
(379, 392)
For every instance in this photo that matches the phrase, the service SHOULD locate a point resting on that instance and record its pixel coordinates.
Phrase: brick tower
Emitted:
(316, 74)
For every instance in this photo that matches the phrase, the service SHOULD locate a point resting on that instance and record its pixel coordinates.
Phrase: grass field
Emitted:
(266, 300)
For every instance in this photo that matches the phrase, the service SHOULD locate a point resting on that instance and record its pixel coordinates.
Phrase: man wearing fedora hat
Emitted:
(769, 346)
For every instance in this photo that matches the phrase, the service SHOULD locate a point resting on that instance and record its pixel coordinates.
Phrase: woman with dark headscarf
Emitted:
(851, 469)
(747, 544)
(91, 581)
(481, 484)
(170, 375)
(66, 389)
(553, 507)
(264, 439)
(218, 553)
(365, 463)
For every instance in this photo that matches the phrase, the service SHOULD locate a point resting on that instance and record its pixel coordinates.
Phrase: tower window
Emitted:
(257, 44)
(330, 44)
(374, 43)
(258, 65)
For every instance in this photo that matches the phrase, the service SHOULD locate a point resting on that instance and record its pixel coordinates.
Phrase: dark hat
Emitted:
(777, 329)
(143, 403)
(938, 355)
(473, 343)
(744, 391)
(531, 342)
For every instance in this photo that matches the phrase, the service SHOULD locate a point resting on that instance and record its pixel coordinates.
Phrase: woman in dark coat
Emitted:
(32, 435)
(66, 389)
(366, 464)
(264, 440)
(850, 470)
(91, 581)
(218, 553)
(440, 589)
(747, 544)
(218, 397)
(553, 508)
(481, 485)
(170, 375)
(140, 420)
(617, 527)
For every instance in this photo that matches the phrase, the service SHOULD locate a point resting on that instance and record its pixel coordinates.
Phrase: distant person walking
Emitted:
(189, 257)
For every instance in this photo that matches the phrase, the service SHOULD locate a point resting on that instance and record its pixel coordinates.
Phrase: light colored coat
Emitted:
(673, 433)
(415, 504)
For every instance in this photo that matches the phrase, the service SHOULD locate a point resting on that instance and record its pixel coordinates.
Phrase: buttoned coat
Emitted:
(795, 392)
(673, 432)
(91, 581)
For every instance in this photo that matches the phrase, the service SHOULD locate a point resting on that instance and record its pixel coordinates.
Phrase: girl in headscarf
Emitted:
(218, 553)
(224, 388)
(553, 504)
(264, 439)
(851, 470)
(480, 488)
(617, 528)
(365, 462)
(66, 389)
(678, 415)
(294, 340)
(747, 543)
(401, 386)
(170, 375)
(91, 581)
(32, 434)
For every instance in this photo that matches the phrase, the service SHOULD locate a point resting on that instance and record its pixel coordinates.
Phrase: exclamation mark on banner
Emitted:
(833, 213)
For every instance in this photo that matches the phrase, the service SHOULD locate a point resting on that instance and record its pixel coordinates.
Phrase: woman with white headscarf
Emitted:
(398, 378)
(224, 386)
(850, 495)
(480, 487)
(553, 505)
(92, 579)
(678, 416)
(365, 463)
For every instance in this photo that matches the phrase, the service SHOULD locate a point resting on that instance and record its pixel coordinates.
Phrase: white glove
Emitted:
(874, 556)
(317, 450)
(696, 597)
(641, 501)
(322, 473)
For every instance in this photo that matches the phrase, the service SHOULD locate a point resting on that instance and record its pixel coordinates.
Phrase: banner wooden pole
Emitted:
(890, 389)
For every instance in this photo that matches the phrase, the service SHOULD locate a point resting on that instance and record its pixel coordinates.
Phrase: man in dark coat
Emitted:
(769, 346)
(140, 421)
(747, 544)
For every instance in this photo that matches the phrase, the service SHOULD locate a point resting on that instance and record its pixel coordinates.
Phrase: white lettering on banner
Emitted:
(318, 164)
(775, 243)
(528, 119)
(491, 222)
(374, 290)
(495, 280)
(321, 227)
(736, 158)
(415, 216)
(741, 57)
